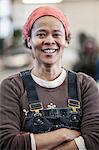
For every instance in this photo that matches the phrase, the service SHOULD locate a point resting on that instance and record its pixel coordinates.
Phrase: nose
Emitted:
(49, 40)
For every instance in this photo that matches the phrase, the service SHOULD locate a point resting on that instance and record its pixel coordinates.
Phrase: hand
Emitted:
(70, 134)
(57, 137)
(67, 146)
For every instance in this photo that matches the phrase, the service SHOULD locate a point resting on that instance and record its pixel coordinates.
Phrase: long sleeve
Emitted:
(80, 143)
(11, 136)
(90, 113)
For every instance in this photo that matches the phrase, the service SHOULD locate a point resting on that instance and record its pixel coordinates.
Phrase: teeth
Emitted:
(49, 50)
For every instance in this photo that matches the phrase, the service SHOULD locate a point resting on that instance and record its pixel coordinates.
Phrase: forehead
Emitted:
(48, 21)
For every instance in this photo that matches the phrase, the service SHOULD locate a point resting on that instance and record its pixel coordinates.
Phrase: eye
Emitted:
(57, 35)
(41, 35)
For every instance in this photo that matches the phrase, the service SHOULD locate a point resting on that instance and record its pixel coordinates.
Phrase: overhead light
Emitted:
(40, 1)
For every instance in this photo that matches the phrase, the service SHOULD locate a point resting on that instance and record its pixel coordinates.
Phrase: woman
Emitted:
(46, 33)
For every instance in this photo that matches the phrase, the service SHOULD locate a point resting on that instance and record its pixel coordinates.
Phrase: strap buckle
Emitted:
(36, 107)
(73, 104)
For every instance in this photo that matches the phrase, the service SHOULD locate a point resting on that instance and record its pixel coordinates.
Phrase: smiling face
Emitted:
(47, 40)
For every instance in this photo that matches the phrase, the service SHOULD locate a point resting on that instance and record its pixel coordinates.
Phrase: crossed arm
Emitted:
(61, 139)
(57, 140)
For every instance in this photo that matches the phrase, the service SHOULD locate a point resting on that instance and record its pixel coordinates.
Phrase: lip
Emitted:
(49, 50)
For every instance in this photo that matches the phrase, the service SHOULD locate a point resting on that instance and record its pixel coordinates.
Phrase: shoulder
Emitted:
(85, 79)
(12, 83)
(85, 82)
(11, 79)
(82, 77)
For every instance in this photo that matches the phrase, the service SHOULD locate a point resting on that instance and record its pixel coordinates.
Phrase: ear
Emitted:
(29, 43)
(68, 37)
(33, 54)
(66, 44)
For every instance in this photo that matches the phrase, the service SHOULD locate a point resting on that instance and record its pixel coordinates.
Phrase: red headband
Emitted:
(44, 11)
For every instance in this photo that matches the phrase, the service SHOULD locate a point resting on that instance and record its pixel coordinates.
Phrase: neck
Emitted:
(47, 73)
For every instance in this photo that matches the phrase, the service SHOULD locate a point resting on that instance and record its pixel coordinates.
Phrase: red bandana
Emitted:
(44, 11)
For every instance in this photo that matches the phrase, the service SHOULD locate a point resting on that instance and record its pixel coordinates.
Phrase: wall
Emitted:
(83, 16)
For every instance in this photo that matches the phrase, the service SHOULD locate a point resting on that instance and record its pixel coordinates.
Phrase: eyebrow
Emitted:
(43, 30)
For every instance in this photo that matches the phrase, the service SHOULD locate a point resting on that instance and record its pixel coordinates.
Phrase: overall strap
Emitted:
(73, 101)
(29, 84)
(72, 85)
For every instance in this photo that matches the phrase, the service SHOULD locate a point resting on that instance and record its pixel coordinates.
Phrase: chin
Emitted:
(49, 64)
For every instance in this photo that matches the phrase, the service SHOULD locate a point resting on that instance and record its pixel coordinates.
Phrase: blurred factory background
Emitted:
(82, 53)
